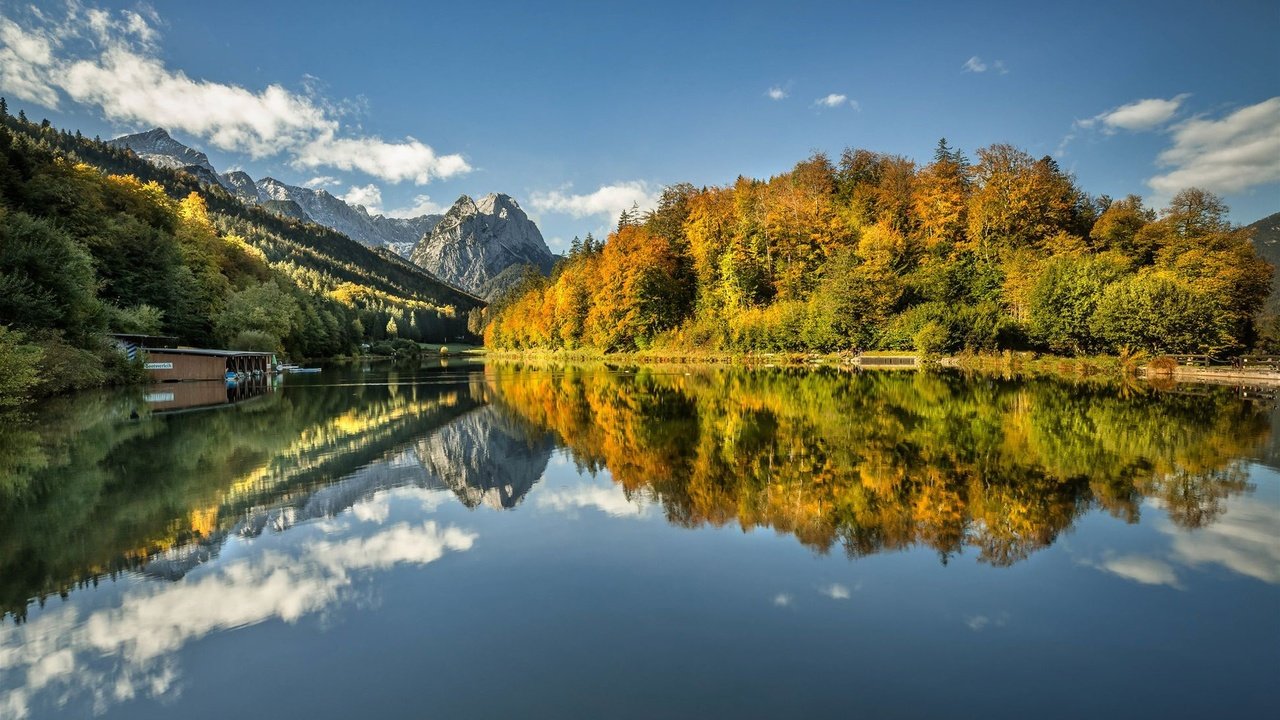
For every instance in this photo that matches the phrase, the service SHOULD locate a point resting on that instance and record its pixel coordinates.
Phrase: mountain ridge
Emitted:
(483, 238)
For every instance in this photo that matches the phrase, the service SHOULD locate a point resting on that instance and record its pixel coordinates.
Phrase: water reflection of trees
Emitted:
(867, 462)
(87, 492)
(880, 461)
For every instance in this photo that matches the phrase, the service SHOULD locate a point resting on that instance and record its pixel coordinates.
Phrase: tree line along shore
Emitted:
(873, 252)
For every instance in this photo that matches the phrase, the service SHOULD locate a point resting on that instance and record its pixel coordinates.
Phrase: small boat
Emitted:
(286, 367)
(304, 370)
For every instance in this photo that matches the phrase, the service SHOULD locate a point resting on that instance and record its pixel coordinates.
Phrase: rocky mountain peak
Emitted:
(159, 148)
(478, 239)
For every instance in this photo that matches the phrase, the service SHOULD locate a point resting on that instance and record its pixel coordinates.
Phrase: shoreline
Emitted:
(1105, 367)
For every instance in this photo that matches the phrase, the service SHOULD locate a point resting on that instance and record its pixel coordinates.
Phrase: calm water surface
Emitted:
(497, 542)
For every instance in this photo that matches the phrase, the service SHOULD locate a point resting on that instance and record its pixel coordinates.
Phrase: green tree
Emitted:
(1162, 314)
(19, 362)
(46, 278)
(1064, 298)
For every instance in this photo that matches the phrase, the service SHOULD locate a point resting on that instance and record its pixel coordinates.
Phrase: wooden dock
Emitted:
(903, 360)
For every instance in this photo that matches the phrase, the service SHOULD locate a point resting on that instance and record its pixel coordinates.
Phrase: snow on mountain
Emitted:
(469, 246)
(399, 234)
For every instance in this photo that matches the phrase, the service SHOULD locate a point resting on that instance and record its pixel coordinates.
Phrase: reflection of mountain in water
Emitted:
(94, 493)
(487, 456)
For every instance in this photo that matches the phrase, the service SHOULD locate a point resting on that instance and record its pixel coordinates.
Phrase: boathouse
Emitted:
(184, 363)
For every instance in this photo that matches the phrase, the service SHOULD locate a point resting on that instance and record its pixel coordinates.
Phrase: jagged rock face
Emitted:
(241, 185)
(478, 239)
(285, 208)
(486, 457)
(159, 149)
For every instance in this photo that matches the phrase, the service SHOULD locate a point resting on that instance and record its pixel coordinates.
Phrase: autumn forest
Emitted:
(875, 252)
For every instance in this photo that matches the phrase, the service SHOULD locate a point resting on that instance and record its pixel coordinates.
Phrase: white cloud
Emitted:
(1234, 153)
(976, 64)
(110, 61)
(835, 100)
(1145, 114)
(1139, 115)
(608, 200)
(322, 181)
(782, 599)
(835, 591)
(394, 162)
(24, 59)
(367, 195)
(776, 93)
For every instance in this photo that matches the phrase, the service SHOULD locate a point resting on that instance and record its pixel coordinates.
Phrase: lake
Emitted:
(463, 540)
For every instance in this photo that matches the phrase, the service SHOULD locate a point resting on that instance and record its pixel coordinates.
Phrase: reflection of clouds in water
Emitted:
(122, 652)
(835, 591)
(374, 510)
(978, 623)
(1140, 569)
(1246, 539)
(609, 499)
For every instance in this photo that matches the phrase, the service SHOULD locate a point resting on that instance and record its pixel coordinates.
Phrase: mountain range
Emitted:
(469, 246)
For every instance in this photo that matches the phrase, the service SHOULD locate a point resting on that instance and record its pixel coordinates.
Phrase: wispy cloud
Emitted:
(782, 600)
(608, 200)
(1225, 155)
(835, 100)
(976, 64)
(110, 61)
(776, 93)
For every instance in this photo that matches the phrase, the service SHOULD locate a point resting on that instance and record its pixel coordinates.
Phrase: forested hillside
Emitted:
(874, 252)
(95, 240)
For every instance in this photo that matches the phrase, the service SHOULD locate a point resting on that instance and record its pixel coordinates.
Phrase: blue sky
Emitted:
(576, 109)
